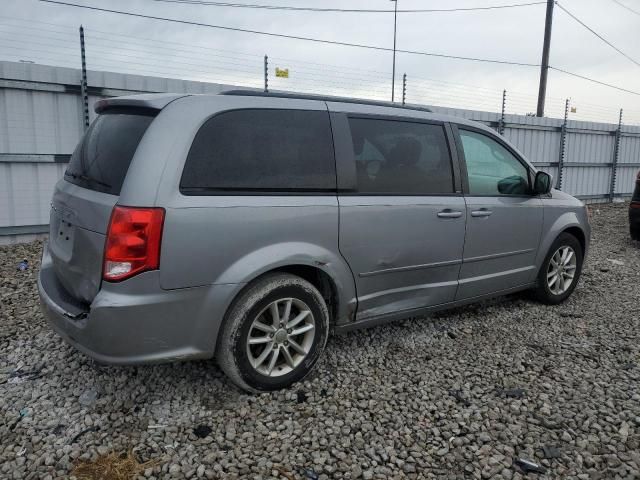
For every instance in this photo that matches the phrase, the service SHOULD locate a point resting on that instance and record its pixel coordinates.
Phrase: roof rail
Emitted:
(326, 98)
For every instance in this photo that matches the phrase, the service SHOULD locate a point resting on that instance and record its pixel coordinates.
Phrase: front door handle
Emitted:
(483, 212)
(449, 214)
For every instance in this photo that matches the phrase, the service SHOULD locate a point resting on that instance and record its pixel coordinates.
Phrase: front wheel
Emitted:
(560, 270)
(274, 333)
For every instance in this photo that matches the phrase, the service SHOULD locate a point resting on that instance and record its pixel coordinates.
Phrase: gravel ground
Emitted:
(460, 394)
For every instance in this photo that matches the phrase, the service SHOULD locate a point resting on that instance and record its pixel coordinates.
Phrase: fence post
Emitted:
(266, 73)
(614, 164)
(83, 83)
(404, 88)
(504, 103)
(563, 144)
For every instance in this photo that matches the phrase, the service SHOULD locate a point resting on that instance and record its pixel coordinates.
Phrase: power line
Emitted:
(625, 6)
(293, 37)
(597, 34)
(346, 10)
(594, 81)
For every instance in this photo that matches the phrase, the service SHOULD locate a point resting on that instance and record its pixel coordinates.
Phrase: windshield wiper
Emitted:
(87, 178)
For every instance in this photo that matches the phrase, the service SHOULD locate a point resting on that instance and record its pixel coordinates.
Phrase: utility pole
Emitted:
(266, 73)
(393, 75)
(83, 80)
(404, 88)
(544, 67)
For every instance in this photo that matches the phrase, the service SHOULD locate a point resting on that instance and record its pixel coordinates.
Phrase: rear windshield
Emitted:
(101, 160)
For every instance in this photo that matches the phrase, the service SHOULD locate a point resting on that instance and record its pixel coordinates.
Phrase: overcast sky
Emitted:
(136, 45)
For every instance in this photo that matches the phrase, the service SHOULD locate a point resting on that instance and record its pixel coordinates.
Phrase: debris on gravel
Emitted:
(459, 394)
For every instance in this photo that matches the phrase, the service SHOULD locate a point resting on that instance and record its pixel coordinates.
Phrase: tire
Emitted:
(635, 233)
(559, 292)
(250, 367)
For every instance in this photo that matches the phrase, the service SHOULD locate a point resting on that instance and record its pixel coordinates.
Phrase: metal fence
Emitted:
(43, 108)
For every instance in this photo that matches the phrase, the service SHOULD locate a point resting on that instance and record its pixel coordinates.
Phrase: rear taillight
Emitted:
(133, 242)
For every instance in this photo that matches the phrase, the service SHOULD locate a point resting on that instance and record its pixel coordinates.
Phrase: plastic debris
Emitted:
(156, 425)
(88, 397)
(23, 413)
(528, 466)
(615, 262)
(309, 474)
(23, 265)
(19, 376)
(21, 452)
(58, 429)
(551, 452)
(202, 431)
(460, 398)
(95, 428)
(301, 396)
(514, 392)
(284, 473)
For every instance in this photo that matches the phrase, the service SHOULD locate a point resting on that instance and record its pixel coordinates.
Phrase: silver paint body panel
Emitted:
(387, 256)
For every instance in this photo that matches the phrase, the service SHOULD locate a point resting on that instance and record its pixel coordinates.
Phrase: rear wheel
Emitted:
(274, 333)
(560, 270)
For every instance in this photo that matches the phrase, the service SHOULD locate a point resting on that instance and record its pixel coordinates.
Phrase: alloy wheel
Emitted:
(280, 337)
(561, 270)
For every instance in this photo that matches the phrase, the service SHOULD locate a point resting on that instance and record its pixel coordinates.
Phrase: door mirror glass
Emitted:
(542, 183)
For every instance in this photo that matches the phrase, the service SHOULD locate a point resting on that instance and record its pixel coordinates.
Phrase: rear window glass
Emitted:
(261, 150)
(101, 160)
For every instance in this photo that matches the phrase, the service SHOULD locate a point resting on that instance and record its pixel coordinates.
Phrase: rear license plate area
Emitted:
(64, 234)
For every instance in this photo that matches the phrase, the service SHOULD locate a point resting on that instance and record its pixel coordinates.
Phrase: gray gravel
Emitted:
(461, 394)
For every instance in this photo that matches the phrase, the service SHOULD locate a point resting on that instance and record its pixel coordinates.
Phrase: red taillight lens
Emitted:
(133, 242)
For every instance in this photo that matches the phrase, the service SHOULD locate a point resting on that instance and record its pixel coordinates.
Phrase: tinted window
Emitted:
(491, 168)
(398, 157)
(101, 160)
(270, 150)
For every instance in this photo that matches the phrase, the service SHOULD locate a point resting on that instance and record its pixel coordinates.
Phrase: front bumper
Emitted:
(136, 321)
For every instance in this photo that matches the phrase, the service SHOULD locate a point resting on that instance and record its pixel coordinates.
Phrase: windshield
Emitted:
(101, 160)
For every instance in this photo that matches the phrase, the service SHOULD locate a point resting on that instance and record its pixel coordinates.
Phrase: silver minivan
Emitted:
(247, 226)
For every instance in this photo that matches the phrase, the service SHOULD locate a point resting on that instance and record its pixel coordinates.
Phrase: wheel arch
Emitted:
(579, 234)
(568, 222)
(324, 269)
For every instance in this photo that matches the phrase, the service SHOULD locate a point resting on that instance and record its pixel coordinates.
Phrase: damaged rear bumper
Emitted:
(136, 321)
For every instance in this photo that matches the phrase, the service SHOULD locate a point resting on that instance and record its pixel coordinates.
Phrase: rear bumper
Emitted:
(135, 321)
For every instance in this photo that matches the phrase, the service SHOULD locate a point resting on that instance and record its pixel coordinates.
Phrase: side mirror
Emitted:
(542, 183)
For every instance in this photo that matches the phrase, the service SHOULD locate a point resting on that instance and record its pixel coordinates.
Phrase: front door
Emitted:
(504, 219)
(402, 230)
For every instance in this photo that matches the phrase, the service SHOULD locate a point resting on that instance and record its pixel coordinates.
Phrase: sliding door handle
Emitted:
(483, 212)
(449, 214)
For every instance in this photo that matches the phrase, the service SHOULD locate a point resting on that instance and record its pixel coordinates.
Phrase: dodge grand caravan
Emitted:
(248, 226)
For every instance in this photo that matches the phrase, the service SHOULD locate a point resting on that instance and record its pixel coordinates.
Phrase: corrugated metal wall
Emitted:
(41, 122)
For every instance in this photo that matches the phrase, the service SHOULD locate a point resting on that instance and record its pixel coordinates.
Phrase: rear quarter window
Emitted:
(261, 150)
(101, 160)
